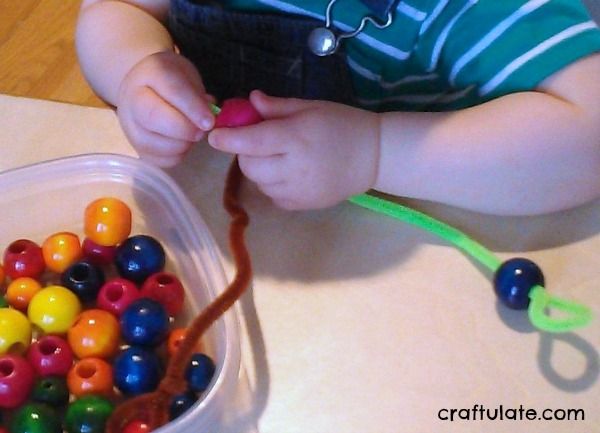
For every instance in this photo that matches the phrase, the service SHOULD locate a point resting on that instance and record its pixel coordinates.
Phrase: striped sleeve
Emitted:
(501, 47)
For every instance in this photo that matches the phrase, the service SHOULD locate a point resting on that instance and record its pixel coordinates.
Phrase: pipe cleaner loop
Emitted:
(577, 315)
(541, 303)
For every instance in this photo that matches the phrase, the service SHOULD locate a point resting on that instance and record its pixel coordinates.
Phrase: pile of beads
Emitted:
(86, 325)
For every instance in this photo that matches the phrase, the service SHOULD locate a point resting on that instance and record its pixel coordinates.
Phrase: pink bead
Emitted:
(24, 258)
(50, 356)
(237, 112)
(166, 289)
(116, 295)
(16, 380)
(99, 255)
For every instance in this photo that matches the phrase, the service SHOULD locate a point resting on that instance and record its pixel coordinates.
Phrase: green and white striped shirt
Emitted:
(450, 54)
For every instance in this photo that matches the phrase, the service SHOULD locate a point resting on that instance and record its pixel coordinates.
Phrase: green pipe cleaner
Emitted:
(573, 315)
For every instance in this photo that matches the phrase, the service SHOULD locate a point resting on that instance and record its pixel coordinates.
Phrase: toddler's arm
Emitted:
(525, 153)
(112, 36)
(127, 55)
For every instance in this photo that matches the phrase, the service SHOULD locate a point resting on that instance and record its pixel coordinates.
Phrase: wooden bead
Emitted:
(107, 221)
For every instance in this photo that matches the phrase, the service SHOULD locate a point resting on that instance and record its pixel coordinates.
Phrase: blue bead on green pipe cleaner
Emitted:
(509, 276)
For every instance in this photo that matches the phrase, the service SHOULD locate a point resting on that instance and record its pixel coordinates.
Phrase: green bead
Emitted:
(35, 418)
(51, 390)
(88, 414)
(3, 302)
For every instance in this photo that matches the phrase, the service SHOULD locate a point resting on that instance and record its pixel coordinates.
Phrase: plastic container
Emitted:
(48, 197)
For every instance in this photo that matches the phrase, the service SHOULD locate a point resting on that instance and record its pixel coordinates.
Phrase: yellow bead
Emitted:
(15, 331)
(54, 309)
(20, 291)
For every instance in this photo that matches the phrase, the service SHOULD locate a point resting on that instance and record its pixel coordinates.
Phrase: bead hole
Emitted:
(85, 370)
(164, 280)
(48, 347)
(17, 247)
(114, 293)
(6, 368)
(80, 273)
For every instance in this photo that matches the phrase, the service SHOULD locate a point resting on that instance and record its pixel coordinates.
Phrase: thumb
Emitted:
(272, 107)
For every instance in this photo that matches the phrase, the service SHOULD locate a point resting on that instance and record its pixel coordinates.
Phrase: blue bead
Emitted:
(144, 322)
(136, 371)
(138, 257)
(200, 372)
(84, 279)
(181, 403)
(513, 281)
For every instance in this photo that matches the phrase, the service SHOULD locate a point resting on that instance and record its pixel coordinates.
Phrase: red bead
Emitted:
(23, 258)
(99, 255)
(95, 334)
(16, 381)
(60, 250)
(90, 376)
(116, 295)
(237, 112)
(166, 289)
(136, 427)
(50, 356)
(2, 275)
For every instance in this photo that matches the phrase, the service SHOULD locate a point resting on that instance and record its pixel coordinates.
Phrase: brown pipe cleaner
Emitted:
(153, 408)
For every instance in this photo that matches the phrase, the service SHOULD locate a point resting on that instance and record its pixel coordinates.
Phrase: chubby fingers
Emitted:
(260, 140)
(181, 86)
(156, 115)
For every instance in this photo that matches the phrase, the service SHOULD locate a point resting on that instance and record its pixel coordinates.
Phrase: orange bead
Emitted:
(61, 250)
(176, 336)
(107, 221)
(90, 376)
(20, 291)
(95, 333)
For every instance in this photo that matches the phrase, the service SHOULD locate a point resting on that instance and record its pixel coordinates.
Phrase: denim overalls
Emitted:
(237, 52)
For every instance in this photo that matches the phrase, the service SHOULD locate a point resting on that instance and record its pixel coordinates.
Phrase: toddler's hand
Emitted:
(163, 108)
(305, 154)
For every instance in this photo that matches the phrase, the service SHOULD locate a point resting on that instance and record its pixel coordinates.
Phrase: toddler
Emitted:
(490, 105)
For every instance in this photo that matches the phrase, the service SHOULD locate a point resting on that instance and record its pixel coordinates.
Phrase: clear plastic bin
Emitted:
(49, 197)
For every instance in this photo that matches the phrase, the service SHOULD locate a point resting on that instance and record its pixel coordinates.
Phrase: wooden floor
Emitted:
(37, 53)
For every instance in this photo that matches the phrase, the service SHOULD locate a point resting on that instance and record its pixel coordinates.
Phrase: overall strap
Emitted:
(381, 8)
